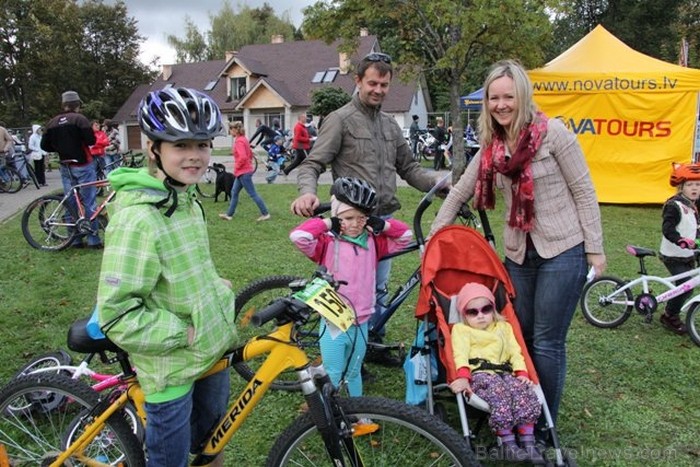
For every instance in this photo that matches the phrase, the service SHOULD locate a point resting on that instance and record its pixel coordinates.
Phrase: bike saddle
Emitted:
(640, 252)
(80, 341)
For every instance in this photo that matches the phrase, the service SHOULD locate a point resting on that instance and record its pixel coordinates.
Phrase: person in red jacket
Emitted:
(243, 170)
(301, 143)
(97, 150)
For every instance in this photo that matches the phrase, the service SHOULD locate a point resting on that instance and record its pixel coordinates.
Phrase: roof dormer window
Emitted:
(326, 76)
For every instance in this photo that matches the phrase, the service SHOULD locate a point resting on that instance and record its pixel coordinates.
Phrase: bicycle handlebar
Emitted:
(423, 205)
(270, 312)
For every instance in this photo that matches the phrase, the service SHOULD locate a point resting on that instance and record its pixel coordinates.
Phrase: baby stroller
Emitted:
(454, 256)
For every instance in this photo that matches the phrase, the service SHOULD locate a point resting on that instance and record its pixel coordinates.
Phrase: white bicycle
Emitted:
(607, 302)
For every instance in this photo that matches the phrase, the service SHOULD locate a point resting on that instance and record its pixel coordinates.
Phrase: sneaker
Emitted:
(364, 426)
(266, 217)
(97, 246)
(225, 217)
(673, 323)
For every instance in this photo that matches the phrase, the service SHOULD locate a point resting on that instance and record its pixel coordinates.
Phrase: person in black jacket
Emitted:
(70, 135)
(265, 134)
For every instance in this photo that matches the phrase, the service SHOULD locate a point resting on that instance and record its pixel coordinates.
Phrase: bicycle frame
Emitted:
(283, 355)
(75, 197)
(674, 290)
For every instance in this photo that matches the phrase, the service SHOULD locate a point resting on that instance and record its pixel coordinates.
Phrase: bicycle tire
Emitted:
(45, 361)
(692, 323)
(43, 224)
(32, 175)
(603, 306)
(253, 298)
(407, 436)
(34, 436)
(207, 184)
(11, 182)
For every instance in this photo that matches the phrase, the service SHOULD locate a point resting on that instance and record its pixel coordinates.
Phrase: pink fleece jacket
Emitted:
(354, 264)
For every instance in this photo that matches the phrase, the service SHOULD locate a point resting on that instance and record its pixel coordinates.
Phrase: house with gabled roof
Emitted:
(275, 81)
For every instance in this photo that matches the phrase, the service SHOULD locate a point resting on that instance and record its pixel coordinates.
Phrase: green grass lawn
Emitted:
(632, 394)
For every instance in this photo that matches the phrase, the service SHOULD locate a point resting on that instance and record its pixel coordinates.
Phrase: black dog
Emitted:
(224, 182)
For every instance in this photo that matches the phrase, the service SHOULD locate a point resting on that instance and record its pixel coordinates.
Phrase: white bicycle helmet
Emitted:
(175, 114)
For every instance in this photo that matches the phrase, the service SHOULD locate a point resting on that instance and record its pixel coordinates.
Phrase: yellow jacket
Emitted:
(496, 344)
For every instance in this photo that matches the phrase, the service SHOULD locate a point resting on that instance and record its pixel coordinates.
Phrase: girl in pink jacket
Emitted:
(350, 244)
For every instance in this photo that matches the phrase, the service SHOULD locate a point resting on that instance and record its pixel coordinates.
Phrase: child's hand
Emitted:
(334, 225)
(687, 243)
(376, 224)
(461, 386)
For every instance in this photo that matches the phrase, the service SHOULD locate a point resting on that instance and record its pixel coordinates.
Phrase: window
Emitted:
(326, 76)
(210, 85)
(318, 77)
(238, 87)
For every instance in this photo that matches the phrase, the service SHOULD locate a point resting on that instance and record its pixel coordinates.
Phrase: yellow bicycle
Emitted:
(53, 420)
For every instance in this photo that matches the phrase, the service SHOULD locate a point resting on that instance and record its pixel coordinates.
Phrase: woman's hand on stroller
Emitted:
(461, 386)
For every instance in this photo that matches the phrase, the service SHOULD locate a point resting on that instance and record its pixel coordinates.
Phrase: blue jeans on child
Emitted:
(547, 293)
(273, 171)
(88, 194)
(344, 354)
(245, 181)
(176, 428)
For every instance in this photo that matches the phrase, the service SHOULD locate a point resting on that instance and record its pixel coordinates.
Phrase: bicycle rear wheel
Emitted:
(10, 181)
(32, 175)
(49, 224)
(692, 322)
(406, 436)
(254, 297)
(207, 184)
(35, 436)
(604, 305)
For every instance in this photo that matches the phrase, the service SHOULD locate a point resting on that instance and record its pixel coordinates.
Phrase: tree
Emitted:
(230, 31)
(49, 46)
(327, 99)
(450, 40)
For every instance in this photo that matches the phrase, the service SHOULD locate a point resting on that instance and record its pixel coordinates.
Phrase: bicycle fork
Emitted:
(334, 427)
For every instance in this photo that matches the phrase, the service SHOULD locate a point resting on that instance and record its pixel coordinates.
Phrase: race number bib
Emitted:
(321, 297)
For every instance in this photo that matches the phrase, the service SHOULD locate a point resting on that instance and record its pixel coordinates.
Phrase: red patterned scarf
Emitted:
(517, 168)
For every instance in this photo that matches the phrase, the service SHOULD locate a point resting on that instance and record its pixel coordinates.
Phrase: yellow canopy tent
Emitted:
(633, 114)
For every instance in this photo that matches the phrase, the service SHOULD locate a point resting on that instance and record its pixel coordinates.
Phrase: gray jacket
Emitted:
(364, 142)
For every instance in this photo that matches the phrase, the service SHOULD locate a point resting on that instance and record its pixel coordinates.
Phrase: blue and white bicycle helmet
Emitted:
(175, 114)
(355, 192)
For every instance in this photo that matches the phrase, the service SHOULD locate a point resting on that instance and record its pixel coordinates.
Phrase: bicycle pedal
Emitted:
(362, 429)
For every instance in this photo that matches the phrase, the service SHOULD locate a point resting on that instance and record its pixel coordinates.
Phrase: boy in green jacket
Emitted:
(159, 296)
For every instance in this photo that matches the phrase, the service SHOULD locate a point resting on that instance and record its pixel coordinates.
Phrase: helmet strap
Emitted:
(170, 183)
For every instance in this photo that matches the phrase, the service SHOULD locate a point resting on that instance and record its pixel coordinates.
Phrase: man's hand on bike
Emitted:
(333, 224)
(687, 243)
(305, 205)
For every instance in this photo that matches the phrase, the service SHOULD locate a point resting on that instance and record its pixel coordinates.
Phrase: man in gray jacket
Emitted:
(359, 140)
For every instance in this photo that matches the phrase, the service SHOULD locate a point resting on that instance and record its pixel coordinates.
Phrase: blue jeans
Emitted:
(273, 171)
(381, 292)
(547, 293)
(88, 194)
(245, 181)
(178, 427)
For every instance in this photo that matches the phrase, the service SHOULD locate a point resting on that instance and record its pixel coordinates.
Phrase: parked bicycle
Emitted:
(91, 430)
(10, 180)
(607, 302)
(24, 169)
(52, 222)
(261, 292)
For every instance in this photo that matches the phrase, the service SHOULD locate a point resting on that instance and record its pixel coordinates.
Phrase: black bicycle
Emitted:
(261, 292)
(24, 169)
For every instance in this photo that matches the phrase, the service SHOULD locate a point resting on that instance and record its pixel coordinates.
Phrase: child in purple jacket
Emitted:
(350, 244)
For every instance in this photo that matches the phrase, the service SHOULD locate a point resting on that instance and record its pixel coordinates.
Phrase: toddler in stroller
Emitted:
(490, 364)
(455, 256)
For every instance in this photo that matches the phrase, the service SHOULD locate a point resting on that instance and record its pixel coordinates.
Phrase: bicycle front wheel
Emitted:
(35, 435)
(692, 322)
(49, 224)
(256, 296)
(405, 436)
(604, 305)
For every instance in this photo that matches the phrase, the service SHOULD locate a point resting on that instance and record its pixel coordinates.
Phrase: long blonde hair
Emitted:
(525, 113)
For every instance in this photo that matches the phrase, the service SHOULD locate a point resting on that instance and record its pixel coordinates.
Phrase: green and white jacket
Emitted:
(158, 279)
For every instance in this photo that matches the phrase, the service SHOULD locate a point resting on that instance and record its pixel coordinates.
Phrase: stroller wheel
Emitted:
(569, 459)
